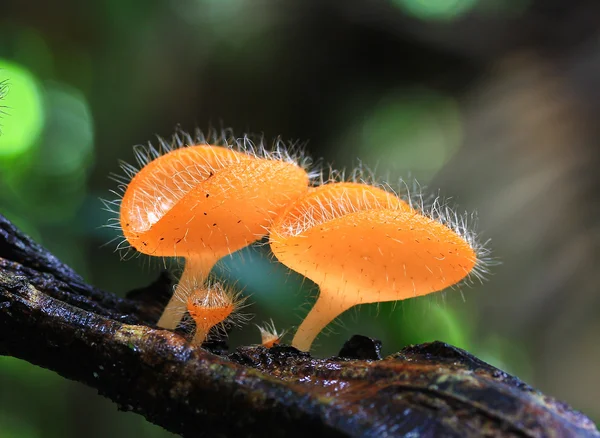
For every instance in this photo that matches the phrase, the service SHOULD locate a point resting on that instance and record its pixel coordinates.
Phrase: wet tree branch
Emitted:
(51, 318)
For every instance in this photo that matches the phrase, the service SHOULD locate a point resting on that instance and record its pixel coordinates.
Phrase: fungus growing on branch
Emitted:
(363, 245)
(269, 336)
(212, 306)
(202, 203)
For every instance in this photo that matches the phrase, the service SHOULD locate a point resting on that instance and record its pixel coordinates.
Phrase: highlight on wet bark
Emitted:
(362, 244)
(202, 201)
(269, 335)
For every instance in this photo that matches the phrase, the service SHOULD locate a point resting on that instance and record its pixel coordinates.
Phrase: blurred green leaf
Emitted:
(411, 131)
(436, 9)
(24, 111)
(11, 427)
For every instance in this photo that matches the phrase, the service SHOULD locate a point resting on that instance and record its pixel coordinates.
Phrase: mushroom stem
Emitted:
(195, 273)
(199, 336)
(322, 313)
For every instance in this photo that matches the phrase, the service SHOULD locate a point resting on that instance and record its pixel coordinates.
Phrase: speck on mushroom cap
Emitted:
(206, 199)
(377, 255)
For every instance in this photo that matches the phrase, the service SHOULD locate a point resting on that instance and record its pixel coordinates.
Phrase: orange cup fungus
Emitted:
(202, 203)
(361, 245)
(212, 306)
(269, 334)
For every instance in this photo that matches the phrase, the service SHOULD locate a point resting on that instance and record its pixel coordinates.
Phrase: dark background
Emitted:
(492, 103)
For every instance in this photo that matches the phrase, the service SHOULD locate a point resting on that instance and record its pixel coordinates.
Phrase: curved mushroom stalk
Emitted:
(211, 316)
(326, 309)
(195, 272)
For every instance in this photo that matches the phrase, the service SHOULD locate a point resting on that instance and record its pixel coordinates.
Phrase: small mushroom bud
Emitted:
(269, 334)
(212, 306)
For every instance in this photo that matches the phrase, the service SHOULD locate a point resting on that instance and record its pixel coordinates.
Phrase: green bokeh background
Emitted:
(401, 85)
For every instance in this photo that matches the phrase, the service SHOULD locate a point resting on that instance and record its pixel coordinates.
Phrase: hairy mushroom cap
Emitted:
(269, 336)
(206, 199)
(212, 306)
(160, 185)
(360, 250)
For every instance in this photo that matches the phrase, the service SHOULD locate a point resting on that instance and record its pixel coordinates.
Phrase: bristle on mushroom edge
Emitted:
(251, 144)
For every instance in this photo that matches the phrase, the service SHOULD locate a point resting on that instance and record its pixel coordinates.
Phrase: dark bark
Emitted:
(51, 318)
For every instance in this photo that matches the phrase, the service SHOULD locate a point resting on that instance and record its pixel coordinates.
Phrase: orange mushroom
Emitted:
(211, 306)
(269, 335)
(204, 202)
(362, 245)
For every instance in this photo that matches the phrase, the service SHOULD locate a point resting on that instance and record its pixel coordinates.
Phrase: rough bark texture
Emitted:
(51, 318)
